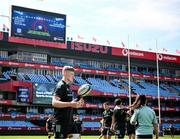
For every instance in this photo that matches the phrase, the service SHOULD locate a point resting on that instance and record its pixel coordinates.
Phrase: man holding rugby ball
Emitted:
(63, 104)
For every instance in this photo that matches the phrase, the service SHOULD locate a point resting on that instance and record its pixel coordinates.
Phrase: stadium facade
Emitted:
(30, 71)
(30, 68)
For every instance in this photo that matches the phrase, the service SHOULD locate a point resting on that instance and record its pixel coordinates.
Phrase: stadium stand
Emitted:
(99, 84)
(31, 68)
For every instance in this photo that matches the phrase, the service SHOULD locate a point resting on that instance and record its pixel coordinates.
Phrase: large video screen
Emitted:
(36, 24)
(42, 93)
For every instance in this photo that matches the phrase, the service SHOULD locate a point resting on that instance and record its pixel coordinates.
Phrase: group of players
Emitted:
(138, 120)
(114, 121)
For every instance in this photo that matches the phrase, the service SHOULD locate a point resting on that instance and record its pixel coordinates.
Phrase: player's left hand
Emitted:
(112, 129)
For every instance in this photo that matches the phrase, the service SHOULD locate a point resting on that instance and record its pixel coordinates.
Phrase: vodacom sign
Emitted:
(132, 53)
(160, 57)
(125, 52)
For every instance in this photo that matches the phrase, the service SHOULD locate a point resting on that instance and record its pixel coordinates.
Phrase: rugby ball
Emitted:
(84, 90)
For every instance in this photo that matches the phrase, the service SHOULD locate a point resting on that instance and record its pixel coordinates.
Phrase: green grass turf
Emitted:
(83, 137)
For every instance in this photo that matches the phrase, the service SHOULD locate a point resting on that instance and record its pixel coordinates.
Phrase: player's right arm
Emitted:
(113, 122)
(58, 94)
(47, 125)
(56, 102)
(155, 125)
(102, 125)
(134, 119)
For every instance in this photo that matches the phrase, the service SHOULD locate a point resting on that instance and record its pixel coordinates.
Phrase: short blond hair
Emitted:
(67, 68)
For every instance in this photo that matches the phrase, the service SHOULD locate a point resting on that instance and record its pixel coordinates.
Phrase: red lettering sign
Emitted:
(89, 47)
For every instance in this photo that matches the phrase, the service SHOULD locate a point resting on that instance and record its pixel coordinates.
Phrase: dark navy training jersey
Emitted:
(107, 116)
(120, 118)
(64, 115)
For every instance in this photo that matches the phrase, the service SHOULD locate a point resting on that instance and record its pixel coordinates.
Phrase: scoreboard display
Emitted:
(23, 94)
(36, 24)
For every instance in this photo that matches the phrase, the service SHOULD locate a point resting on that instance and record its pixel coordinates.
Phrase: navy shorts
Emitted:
(144, 136)
(106, 131)
(119, 133)
(63, 131)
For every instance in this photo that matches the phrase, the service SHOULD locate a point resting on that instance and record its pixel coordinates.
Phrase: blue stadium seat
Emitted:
(105, 86)
(80, 80)
(17, 124)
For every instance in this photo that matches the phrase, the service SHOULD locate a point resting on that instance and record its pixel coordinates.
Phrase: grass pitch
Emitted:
(83, 137)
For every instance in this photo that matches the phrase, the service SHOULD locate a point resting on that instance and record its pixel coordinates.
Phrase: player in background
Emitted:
(78, 125)
(145, 117)
(63, 103)
(129, 127)
(50, 125)
(171, 128)
(118, 125)
(107, 120)
(101, 129)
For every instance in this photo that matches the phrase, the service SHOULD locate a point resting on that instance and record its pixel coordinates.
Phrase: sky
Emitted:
(137, 23)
